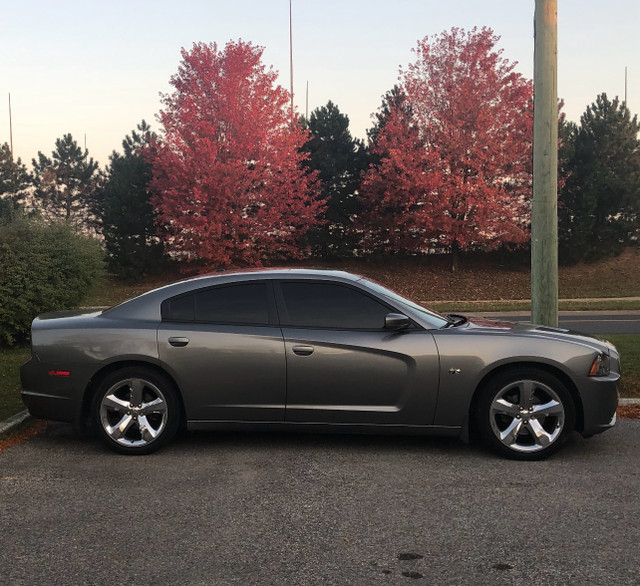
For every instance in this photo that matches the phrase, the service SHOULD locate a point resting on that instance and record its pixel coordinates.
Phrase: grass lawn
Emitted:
(10, 361)
(480, 306)
(629, 347)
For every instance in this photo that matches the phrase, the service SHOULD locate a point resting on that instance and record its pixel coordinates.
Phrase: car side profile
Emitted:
(312, 349)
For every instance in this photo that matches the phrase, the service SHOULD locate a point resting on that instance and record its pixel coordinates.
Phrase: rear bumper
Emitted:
(52, 396)
(599, 397)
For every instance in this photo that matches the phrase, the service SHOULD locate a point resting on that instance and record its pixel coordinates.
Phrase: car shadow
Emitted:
(63, 436)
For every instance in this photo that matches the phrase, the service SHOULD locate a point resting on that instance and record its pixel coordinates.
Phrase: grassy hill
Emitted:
(429, 279)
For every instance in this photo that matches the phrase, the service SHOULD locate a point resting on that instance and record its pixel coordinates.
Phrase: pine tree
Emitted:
(339, 160)
(599, 205)
(65, 184)
(124, 212)
(14, 185)
(394, 100)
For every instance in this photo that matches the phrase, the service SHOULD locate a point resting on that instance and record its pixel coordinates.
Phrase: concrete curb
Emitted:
(625, 402)
(13, 422)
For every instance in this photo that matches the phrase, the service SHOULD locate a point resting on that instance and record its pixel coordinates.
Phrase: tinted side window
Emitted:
(236, 304)
(327, 305)
(180, 308)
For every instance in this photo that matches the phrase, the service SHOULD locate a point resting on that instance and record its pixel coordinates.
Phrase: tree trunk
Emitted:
(454, 256)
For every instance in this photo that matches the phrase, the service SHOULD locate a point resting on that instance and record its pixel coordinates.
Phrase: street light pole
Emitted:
(544, 213)
(10, 128)
(291, 56)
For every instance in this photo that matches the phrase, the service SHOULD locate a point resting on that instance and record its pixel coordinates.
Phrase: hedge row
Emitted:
(42, 268)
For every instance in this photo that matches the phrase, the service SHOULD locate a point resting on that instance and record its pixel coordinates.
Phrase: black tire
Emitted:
(525, 414)
(136, 410)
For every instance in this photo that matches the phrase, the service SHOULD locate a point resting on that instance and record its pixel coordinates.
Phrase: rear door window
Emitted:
(245, 303)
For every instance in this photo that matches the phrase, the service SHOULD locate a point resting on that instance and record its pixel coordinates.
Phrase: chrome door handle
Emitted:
(303, 350)
(178, 342)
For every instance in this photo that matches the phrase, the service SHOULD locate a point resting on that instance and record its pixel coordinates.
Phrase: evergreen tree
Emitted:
(124, 212)
(339, 160)
(599, 207)
(14, 184)
(395, 100)
(65, 184)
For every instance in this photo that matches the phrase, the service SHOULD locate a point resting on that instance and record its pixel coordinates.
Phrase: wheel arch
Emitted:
(100, 375)
(544, 367)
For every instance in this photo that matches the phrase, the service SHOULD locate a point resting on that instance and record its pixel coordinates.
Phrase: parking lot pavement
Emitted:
(234, 508)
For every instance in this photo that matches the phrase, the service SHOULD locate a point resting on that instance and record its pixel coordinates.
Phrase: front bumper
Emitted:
(599, 396)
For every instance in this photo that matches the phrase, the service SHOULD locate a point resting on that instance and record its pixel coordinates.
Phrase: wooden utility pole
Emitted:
(544, 215)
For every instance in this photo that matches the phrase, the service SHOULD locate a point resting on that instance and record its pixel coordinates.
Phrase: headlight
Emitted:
(601, 365)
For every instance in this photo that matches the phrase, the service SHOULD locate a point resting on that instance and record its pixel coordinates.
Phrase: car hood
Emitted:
(479, 324)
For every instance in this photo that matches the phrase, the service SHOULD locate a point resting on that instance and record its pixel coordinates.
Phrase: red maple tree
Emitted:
(228, 179)
(402, 212)
(474, 116)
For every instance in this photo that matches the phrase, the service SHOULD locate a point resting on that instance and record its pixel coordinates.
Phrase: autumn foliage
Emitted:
(228, 177)
(403, 211)
(462, 176)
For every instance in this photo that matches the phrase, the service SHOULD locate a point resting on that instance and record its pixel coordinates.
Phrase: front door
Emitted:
(344, 367)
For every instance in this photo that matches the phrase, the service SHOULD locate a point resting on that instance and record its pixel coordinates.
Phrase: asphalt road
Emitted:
(233, 508)
(590, 322)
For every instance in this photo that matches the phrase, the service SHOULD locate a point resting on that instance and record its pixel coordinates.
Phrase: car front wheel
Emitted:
(525, 414)
(136, 411)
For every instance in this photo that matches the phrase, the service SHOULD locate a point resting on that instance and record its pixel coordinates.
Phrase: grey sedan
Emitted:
(314, 350)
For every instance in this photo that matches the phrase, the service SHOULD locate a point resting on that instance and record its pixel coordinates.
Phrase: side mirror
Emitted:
(396, 321)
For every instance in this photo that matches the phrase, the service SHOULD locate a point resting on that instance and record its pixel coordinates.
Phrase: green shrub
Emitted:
(42, 268)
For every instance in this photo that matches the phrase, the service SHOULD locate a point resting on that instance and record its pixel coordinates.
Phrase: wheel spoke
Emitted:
(113, 403)
(119, 430)
(510, 435)
(542, 437)
(137, 386)
(504, 407)
(155, 406)
(146, 430)
(526, 388)
(550, 409)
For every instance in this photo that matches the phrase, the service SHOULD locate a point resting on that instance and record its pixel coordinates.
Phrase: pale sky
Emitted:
(97, 68)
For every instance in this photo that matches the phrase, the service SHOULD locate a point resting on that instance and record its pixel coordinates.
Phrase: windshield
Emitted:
(433, 317)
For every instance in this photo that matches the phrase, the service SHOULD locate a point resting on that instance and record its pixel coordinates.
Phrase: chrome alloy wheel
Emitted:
(133, 412)
(527, 416)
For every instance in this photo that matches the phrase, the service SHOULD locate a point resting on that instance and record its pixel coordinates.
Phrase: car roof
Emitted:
(147, 305)
(272, 273)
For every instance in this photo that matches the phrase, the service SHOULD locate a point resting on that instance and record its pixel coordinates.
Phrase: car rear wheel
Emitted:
(136, 411)
(525, 414)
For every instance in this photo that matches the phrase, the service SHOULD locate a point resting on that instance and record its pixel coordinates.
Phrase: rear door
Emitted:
(343, 366)
(226, 351)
